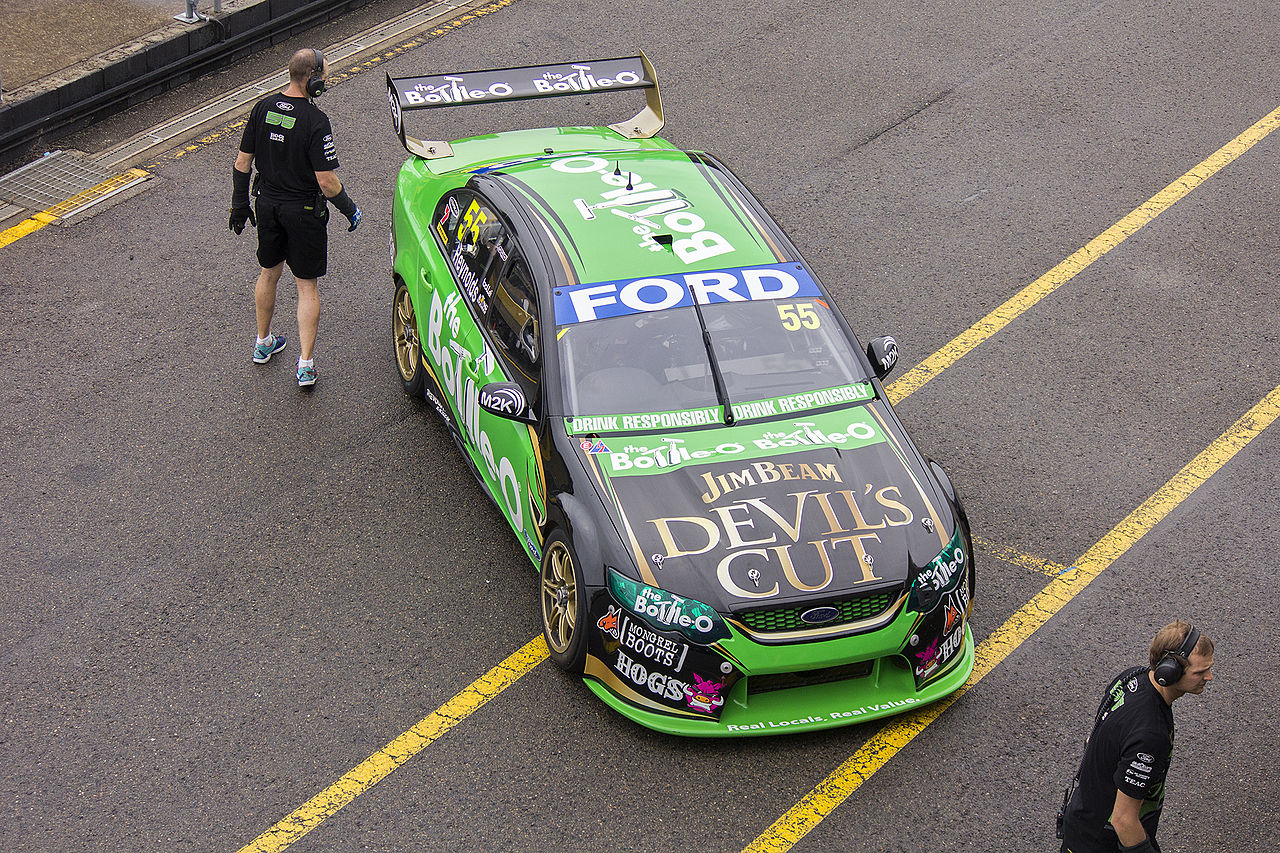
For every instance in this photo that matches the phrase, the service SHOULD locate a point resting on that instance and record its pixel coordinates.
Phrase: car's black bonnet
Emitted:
(805, 523)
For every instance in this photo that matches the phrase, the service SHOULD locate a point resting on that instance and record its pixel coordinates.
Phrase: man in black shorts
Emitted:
(1119, 790)
(291, 141)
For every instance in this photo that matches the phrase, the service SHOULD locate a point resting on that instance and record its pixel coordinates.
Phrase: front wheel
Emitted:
(564, 605)
(404, 330)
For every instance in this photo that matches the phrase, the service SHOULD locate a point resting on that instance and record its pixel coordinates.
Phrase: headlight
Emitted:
(667, 611)
(942, 574)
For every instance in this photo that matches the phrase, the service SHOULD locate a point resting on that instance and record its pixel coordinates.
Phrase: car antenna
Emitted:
(617, 173)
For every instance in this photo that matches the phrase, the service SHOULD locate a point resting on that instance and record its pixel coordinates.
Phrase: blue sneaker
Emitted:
(306, 377)
(262, 352)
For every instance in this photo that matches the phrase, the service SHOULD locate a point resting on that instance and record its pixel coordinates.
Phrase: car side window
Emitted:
(513, 318)
(474, 241)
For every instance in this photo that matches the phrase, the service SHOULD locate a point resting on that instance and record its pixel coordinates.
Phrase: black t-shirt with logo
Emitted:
(290, 140)
(1129, 751)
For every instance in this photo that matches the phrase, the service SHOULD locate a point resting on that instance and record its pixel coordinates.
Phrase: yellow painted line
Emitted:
(378, 766)
(386, 760)
(66, 208)
(1018, 558)
(25, 227)
(918, 376)
(819, 802)
(436, 32)
(845, 779)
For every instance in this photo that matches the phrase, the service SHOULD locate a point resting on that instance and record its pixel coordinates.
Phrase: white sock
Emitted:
(306, 362)
(267, 339)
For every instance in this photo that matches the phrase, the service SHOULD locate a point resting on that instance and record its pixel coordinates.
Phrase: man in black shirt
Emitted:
(1119, 789)
(291, 141)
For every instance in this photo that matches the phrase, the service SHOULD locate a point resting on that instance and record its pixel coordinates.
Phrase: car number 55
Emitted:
(795, 316)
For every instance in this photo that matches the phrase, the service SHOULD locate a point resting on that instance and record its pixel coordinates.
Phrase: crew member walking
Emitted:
(1114, 802)
(291, 141)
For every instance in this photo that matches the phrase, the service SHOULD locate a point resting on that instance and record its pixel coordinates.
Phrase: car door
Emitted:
(513, 331)
(460, 340)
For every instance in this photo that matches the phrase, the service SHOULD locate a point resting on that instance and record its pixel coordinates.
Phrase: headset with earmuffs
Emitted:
(315, 83)
(1169, 669)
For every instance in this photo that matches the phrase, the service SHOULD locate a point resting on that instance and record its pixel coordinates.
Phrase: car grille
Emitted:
(788, 680)
(851, 610)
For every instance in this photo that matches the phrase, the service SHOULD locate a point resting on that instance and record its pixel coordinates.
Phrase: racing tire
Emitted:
(564, 605)
(408, 347)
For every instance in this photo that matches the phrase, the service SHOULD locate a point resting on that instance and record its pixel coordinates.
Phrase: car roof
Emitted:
(602, 199)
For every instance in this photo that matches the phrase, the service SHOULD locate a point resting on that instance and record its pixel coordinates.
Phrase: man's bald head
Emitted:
(301, 66)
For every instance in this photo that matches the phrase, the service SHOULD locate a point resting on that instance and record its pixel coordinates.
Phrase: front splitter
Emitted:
(886, 692)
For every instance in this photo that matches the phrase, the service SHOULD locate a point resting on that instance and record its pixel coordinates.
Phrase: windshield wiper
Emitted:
(722, 393)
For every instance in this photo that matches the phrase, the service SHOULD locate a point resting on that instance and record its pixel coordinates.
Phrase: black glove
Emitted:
(239, 215)
(347, 207)
(1143, 846)
(240, 209)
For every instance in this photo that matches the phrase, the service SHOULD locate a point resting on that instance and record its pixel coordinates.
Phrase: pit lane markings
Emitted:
(1081, 259)
(378, 766)
(814, 807)
(78, 202)
(823, 799)
(383, 762)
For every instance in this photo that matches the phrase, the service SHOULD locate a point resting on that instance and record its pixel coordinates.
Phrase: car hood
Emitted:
(811, 507)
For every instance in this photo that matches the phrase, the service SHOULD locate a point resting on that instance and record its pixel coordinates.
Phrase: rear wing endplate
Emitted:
(524, 83)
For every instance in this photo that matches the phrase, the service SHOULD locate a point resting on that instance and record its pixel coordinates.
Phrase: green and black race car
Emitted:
(735, 534)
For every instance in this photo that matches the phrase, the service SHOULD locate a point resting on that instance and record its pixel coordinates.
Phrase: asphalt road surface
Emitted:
(220, 595)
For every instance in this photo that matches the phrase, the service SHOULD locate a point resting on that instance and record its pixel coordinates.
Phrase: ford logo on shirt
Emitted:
(819, 615)
(285, 105)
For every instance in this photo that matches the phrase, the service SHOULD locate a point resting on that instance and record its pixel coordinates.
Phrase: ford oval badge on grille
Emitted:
(819, 615)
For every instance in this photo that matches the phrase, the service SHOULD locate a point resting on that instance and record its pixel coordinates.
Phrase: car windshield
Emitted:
(656, 361)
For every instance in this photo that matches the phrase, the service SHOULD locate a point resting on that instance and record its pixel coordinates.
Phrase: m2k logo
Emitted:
(458, 369)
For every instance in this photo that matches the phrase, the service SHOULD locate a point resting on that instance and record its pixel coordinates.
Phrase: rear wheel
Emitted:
(404, 329)
(564, 605)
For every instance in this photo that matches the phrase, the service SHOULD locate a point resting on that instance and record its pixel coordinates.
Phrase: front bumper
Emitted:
(888, 688)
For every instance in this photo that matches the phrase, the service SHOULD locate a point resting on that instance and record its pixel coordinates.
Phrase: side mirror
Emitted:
(883, 353)
(506, 400)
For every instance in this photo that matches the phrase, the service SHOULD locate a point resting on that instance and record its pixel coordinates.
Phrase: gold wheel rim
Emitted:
(559, 598)
(405, 329)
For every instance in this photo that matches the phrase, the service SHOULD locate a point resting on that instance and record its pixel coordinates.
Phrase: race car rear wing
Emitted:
(524, 83)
